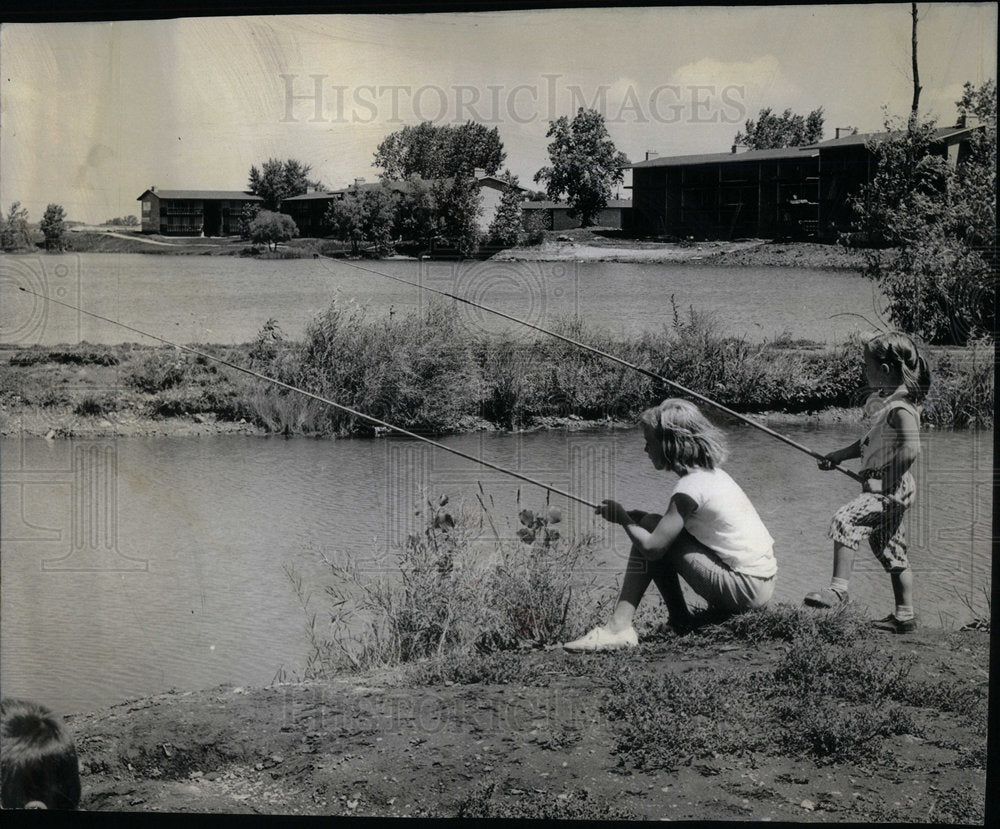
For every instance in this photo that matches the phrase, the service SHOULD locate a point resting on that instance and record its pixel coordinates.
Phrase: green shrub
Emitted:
(961, 393)
(155, 372)
(96, 405)
(417, 372)
(509, 396)
(789, 623)
(833, 696)
(831, 733)
(82, 355)
(450, 593)
(177, 403)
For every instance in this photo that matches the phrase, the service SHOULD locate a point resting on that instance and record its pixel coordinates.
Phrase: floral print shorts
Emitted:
(879, 519)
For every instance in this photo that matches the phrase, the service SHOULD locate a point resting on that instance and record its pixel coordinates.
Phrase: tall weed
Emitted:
(450, 592)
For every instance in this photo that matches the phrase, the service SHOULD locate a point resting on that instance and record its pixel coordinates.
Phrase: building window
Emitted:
(146, 208)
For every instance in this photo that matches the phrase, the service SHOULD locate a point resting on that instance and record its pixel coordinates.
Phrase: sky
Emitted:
(91, 114)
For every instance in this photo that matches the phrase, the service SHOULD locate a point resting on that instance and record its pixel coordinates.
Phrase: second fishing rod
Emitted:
(608, 356)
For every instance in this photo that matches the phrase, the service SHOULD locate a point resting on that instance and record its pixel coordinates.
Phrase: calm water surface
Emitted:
(134, 566)
(227, 299)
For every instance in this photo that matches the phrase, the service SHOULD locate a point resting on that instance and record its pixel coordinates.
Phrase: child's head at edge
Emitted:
(680, 437)
(891, 355)
(39, 766)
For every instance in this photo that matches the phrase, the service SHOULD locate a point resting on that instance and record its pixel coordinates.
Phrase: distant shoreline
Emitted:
(578, 245)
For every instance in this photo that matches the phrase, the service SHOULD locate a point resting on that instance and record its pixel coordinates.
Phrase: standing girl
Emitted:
(898, 379)
(711, 536)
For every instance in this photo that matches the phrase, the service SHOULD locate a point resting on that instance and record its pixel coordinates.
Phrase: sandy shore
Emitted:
(605, 246)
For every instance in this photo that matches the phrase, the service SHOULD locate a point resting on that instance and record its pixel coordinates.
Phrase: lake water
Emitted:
(217, 299)
(133, 566)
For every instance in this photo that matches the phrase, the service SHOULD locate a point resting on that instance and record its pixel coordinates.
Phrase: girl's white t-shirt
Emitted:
(725, 521)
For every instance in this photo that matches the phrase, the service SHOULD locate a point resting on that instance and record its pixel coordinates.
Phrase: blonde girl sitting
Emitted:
(710, 535)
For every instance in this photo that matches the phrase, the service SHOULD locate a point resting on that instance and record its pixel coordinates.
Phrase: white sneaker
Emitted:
(601, 639)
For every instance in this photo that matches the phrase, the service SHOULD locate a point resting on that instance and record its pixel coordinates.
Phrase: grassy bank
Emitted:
(682, 728)
(429, 373)
(452, 698)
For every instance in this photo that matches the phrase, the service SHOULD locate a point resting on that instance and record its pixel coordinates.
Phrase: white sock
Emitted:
(904, 612)
(838, 585)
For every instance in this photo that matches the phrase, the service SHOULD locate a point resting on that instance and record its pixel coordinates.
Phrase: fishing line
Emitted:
(611, 357)
(325, 400)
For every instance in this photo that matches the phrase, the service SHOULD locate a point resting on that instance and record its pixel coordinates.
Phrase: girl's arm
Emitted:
(907, 447)
(838, 455)
(656, 542)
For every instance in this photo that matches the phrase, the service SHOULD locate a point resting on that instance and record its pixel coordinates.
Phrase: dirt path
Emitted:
(130, 237)
(544, 747)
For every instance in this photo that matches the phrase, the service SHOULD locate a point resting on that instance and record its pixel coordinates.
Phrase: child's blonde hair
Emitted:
(896, 349)
(684, 435)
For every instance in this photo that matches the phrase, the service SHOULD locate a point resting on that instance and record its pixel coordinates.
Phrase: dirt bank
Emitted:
(578, 245)
(545, 743)
(599, 245)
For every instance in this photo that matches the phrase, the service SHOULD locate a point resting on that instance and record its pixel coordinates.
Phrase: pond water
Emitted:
(133, 566)
(219, 299)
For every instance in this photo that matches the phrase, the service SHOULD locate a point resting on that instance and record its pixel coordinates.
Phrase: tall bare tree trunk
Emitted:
(916, 72)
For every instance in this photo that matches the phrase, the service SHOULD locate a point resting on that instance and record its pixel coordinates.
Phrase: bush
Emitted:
(272, 229)
(830, 697)
(536, 222)
(96, 405)
(155, 372)
(961, 393)
(79, 356)
(940, 219)
(452, 593)
(416, 371)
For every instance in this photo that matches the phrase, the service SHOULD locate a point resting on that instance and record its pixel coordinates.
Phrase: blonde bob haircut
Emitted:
(685, 436)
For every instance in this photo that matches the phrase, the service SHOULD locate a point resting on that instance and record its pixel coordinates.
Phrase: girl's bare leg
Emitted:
(639, 572)
(902, 587)
(843, 561)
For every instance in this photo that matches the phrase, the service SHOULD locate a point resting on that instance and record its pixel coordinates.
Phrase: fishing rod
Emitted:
(327, 401)
(613, 358)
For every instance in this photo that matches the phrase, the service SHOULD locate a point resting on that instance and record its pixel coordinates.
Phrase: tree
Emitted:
(247, 215)
(345, 218)
(771, 132)
(939, 220)
(275, 181)
(14, 233)
(585, 164)
(367, 217)
(53, 225)
(417, 212)
(379, 216)
(122, 221)
(433, 152)
(460, 204)
(272, 228)
(505, 229)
